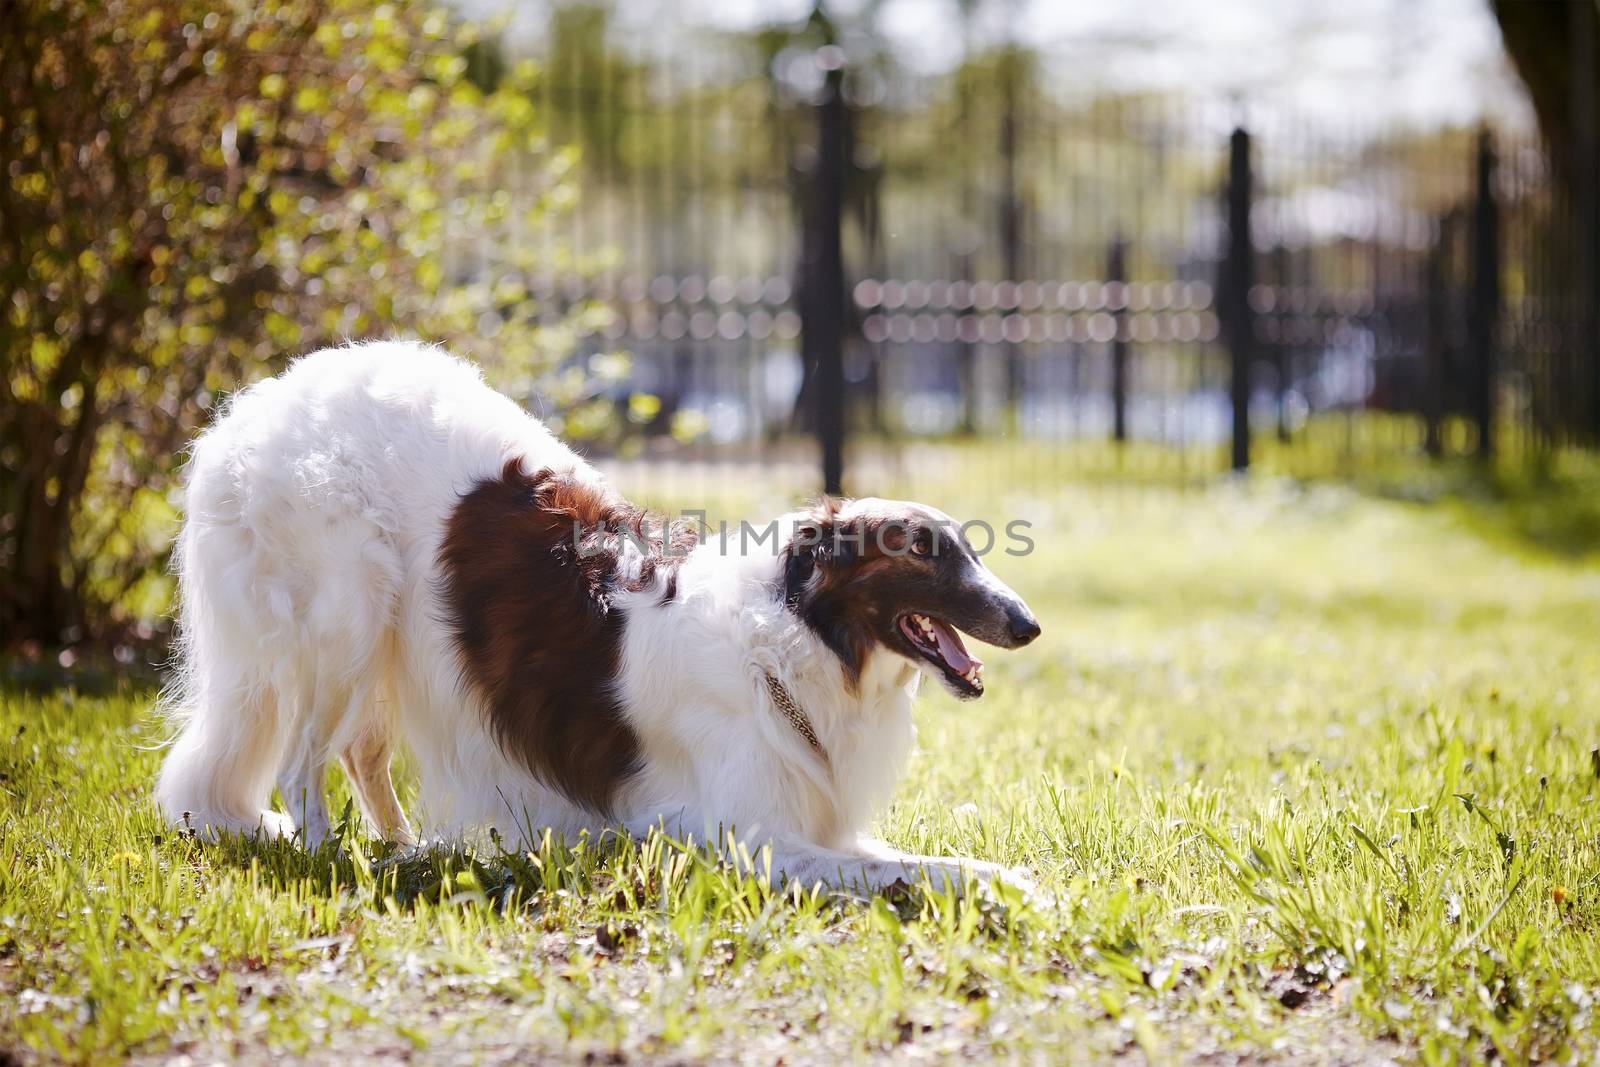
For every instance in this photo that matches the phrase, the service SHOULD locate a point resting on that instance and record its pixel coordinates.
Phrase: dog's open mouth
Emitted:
(939, 643)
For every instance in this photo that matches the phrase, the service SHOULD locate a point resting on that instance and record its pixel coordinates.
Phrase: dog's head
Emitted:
(870, 574)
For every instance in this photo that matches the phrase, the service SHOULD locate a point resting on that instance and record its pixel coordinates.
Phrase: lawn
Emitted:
(1304, 774)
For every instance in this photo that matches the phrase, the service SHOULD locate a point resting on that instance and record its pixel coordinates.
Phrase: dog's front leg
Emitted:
(869, 865)
(788, 857)
(873, 865)
(802, 861)
(944, 870)
(795, 859)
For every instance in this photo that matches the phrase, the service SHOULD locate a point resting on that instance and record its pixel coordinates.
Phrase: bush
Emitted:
(192, 192)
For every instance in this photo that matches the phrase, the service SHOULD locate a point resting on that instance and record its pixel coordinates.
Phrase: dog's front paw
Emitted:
(1019, 878)
(953, 873)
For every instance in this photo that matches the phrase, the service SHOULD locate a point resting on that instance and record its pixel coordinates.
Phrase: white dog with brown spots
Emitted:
(380, 550)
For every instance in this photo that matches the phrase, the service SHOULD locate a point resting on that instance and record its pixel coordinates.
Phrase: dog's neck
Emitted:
(733, 601)
(865, 728)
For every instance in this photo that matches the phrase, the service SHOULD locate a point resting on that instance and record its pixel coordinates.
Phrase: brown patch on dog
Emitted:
(530, 565)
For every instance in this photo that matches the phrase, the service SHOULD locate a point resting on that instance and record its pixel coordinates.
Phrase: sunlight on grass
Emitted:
(1301, 772)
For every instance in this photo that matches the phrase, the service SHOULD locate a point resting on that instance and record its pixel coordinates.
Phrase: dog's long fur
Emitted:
(380, 550)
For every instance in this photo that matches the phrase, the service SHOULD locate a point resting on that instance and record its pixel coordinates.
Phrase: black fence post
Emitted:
(1010, 231)
(1117, 274)
(1281, 361)
(823, 308)
(1436, 354)
(1238, 277)
(1485, 312)
(1585, 187)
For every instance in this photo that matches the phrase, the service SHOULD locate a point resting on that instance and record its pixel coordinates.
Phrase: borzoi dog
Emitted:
(379, 550)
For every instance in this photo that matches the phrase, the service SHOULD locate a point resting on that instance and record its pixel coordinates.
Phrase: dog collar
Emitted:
(796, 717)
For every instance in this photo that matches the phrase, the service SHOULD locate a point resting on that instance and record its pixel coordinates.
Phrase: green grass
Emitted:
(1303, 774)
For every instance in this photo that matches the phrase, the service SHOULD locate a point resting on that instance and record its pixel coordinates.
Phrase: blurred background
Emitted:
(854, 246)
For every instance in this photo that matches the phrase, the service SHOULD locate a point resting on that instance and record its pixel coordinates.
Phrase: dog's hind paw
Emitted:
(275, 824)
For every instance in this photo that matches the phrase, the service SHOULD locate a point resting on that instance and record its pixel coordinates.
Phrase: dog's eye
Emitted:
(922, 543)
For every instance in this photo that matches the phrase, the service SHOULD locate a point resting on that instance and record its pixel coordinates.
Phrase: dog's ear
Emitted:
(799, 564)
(813, 544)
(832, 542)
(808, 547)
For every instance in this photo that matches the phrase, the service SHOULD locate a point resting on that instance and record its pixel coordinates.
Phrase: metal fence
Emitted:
(803, 261)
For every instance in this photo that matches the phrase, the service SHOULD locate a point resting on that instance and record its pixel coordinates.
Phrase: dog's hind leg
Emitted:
(218, 775)
(304, 796)
(303, 778)
(227, 699)
(332, 711)
(366, 763)
(347, 645)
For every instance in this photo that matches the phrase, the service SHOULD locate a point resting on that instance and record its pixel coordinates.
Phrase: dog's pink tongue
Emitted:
(951, 650)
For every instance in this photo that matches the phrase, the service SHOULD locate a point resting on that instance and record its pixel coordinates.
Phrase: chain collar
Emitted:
(796, 717)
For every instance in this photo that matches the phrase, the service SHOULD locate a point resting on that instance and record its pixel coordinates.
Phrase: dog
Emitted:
(379, 550)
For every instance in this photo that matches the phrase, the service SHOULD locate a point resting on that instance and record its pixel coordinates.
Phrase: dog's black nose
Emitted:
(1024, 628)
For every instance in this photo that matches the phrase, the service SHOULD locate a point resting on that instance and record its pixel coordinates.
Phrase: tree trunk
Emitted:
(42, 603)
